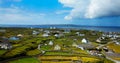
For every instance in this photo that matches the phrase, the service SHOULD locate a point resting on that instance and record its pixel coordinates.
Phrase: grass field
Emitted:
(116, 48)
(67, 59)
(25, 60)
(2, 52)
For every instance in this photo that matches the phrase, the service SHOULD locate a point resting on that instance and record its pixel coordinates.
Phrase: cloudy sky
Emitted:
(80, 12)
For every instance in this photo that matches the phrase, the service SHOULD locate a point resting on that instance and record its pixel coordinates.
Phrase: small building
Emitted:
(57, 35)
(45, 35)
(84, 40)
(45, 44)
(14, 38)
(35, 32)
(51, 43)
(98, 40)
(52, 27)
(57, 47)
(47, 31)
(5, 44)
(117, 43)
(81, 34)
(19, 35)
(95, 53)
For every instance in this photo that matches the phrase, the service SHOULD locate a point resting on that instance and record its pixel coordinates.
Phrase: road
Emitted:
(113, 60)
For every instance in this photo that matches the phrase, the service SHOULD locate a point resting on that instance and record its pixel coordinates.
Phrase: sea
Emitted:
(78, 27)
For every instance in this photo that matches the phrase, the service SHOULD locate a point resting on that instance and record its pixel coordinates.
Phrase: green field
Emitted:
(25, 60)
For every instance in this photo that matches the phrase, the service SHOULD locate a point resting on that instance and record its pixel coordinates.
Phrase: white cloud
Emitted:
(92, 8)
(18, 15)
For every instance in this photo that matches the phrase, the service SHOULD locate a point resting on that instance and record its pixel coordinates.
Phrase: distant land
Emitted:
(53, 25)
(68, 26)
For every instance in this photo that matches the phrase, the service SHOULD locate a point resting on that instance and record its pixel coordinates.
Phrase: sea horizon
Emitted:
(67, 26)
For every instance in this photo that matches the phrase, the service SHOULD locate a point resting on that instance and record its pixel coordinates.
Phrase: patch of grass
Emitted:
(46, 48)
(89, 59)
(57, 53)
(25, 60)
(107, 61)
(117, 59)
(77, 50)
(2, 52)
(33, 52)
(116, 48)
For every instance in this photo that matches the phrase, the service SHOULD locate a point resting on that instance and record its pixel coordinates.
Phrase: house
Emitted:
(45, 35)
(57, 47)
(45, 44)
(4, 44)
(78, 33)
(47, 31)
(98, 40)
(105, 49)
(52, 27)
(35, 32)
(95, 52)
(81, 34)
(51, 43)
(19, 35)
(14, 38)
(84, 40)
(117, 43)
(57, 35)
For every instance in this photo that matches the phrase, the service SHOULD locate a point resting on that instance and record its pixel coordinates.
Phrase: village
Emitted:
(59, 45)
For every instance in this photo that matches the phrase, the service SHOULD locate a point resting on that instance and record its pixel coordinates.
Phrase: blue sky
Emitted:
(80, 12)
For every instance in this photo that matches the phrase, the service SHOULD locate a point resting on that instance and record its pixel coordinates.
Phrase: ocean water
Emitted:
(96, 28)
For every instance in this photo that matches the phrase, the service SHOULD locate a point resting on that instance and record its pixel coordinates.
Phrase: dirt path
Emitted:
(113, 60)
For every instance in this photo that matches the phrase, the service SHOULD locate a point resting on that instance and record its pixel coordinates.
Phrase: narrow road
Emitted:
(113, 60)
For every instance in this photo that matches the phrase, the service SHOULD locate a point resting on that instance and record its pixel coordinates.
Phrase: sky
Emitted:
(80, 12)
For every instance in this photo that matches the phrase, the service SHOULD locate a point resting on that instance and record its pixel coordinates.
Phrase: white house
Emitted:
(117, 43)
(5, 45)
(45, 35)
(47, 31)
(57, 47)
(35, 32)
(19, 35)
(51, 43)
(56, 35)
(81, 34)
(98, 40)
(84, 40)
